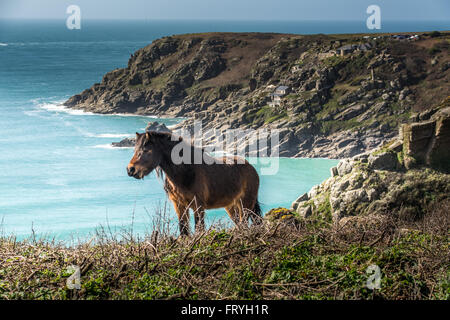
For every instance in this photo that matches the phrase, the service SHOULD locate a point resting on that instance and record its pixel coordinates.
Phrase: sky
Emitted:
(227, 9)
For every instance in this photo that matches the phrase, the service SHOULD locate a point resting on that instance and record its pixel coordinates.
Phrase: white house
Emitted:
(282, 90)
(277, 96)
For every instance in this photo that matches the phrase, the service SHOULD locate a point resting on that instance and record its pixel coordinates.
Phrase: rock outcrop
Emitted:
(156, 126)
(125, 143)
(384, 180)
(151, 126)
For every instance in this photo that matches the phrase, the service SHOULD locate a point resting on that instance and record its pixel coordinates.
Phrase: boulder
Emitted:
(304, 197)
(344, 167)
(383, 161)
(151, 126)
(156, 126)
(125, 143)
(304, 212)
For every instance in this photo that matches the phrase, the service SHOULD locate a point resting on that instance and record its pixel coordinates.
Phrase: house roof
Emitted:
(282, 88)
(346, 47)
(364, 46)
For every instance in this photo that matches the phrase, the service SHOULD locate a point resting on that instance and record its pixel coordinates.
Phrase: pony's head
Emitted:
(147, 154)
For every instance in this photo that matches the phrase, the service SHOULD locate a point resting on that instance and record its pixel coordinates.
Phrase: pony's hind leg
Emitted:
(242, 212)
(251, 210)
(233, 212)
(249, 204)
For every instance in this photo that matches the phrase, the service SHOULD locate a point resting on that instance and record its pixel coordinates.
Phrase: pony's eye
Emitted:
(147, 148)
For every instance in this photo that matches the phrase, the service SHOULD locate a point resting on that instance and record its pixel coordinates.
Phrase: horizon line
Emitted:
(221, 19)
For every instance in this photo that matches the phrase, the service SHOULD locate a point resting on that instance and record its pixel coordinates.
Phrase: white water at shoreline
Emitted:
(59, 107)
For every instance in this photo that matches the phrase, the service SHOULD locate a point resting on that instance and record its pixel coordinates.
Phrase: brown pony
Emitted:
(228, 182)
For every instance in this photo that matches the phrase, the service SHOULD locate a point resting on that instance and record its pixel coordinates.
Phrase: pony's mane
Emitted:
(162, 140)
(165, 142)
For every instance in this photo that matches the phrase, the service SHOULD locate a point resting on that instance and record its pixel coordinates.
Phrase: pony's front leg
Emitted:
(183, 218)
(199, 218)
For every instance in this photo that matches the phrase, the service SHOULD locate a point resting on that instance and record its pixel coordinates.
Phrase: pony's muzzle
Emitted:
(131, 171)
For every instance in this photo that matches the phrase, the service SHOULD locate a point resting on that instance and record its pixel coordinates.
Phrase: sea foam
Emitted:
(109, 146)
(103, 146)
(59, 107)
(112, 135)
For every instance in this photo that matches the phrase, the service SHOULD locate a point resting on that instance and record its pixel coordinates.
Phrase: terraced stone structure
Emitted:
(428, 142)
(403, 176)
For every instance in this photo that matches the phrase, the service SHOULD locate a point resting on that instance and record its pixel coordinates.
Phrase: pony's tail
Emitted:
(257, 213)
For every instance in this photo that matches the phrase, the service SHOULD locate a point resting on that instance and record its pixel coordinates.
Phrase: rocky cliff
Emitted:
(337, 105)
(403, 176)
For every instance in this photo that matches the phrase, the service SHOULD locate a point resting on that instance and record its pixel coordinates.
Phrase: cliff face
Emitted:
(403, 176)
(176, 75)
(337, 105)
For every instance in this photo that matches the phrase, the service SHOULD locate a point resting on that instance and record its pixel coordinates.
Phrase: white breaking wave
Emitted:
(3, 44)
(103, 146)
(109, 146)
(129, 115)
(58, 107)
(112, 135)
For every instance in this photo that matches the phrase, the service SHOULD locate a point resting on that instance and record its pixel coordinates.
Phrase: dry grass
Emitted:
(309, 260)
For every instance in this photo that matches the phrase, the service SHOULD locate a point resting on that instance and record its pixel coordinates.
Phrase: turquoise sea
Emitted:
(58, 175)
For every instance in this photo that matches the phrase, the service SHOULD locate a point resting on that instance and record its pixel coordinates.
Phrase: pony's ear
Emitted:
(137, 134)
(147, 135)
